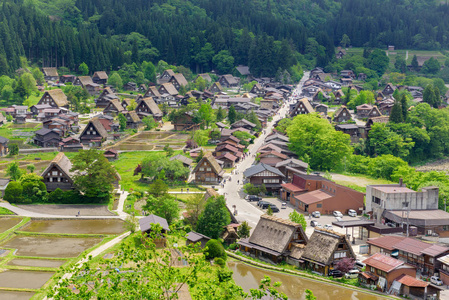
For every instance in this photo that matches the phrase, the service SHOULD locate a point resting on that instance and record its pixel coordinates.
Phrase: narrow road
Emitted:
(232, 190)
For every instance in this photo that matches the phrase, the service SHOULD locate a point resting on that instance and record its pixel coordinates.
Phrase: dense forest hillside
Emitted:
(267, 35)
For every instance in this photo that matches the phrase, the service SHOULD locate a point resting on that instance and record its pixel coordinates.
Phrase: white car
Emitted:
(435, 280)
(352, 213)
(328, 227)
(352, 274)
(316, 214)
(337, 214)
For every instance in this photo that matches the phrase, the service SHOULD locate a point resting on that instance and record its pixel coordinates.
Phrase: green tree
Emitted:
(31, 168)
(13, 149)
(7, 92)
(38, 76)
(214, 217)
(431, 66)
(13, 171)
(13, 192)
(415, 64)
(115, 80)
(206, 114)
(378, 61)
(34, 189)
(94, 175)
(404, 107)
(29, 83)
(309, 295)
(384, 141)
(269, 211)
(149, 122)
(298, 218)
(214, 250)
(396, 113)
(122, 121)
(149, 71)
(164, 206)
(221, 114)
(429, 96)
(223, 61)
(201, 137)
(345, 41)
(232, 114)
(168, 150)
(194, 207)
(244, 230)
(200, 84)
(400, 64)
(315, 141)
(83, 69)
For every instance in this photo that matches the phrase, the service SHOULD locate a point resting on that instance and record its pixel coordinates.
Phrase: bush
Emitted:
(233, 246)
(220, 261)
(214, 249)
(13, 192)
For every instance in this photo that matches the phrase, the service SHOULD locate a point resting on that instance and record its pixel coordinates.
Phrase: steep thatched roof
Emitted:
(275, 233)
(58, 96)
(170, 88)
(53, 72)
(114, 105)
(100, 75)
(297, 250)
(98, 127)
(62, 163)
(152, 92)
(149, 102)
(133, 117)
(179, 77)
(85, 80)
(322, 245)
(212, 161)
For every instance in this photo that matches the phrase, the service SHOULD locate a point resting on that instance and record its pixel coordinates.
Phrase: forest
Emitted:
(267, 35)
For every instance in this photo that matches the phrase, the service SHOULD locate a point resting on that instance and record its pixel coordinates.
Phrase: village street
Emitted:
(233, 188)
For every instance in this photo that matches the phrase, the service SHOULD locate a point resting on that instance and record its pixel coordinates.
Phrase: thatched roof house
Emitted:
(273, 238)
(326, 247)
(54, 98)
(58, 174)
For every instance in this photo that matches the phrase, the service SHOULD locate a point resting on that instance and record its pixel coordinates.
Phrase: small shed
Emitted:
(195, 237)
(146, 225)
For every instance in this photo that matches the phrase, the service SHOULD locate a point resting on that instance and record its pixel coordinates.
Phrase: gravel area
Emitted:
(69, 209)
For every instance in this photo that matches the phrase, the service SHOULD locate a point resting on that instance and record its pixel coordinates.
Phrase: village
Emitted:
(391, 239)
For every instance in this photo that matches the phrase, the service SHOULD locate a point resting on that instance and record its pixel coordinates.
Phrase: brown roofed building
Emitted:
(100, 77)
(113, 108)
(208, 171)
(54, 98)
(94, 134)
(363, 110)
(166, 75)
(185, 122)
(302, 107)
(272, 158)
(389, 89)
(58, 174)
(152, 92)
(205, 76)
(168, 88)
(132, 120)
(50, 74)
(147, 107)
(228, 81)
(178, 80)
(216, 88)
(111, 154)
(342, 115)
(324, 249)
(243, 123)
(273, 238)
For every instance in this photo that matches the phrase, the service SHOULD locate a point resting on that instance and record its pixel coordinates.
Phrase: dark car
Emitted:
(253, 198)
(264, 205)
(261, 202)
(274, 208)
(336, 273)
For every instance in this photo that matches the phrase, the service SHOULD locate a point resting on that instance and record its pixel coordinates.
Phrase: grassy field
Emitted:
(356, 181)
(4, 211)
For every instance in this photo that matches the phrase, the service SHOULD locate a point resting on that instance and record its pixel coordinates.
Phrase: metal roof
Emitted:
(260, 168)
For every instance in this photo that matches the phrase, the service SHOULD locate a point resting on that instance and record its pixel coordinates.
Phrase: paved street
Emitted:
(247, 211)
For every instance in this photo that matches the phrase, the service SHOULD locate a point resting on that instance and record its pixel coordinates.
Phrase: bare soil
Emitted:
(440, 165)
(10, 295)
(104, 226)
(24, 279)
(6, 223)
(50, 246)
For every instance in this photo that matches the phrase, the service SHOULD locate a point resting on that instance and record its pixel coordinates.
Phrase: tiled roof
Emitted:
(383, 262)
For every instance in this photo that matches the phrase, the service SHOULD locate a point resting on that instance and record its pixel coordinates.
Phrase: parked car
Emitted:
(264, 205)
(316, 214)
(253, 198)
(436, 280)
(314, 223)
(283, 205)
(352, 213)
(352, 274)
(336, 273)
(274, 208)
(337, 214)
(260, 202)
(328, 227)
(359, 265)
(338, 219)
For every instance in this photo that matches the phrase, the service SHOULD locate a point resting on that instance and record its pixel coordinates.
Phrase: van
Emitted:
(352, 274)
(283, 205)
(352, 213)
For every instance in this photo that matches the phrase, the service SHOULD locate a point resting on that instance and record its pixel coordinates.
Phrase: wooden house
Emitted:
(272, 239)
(111, 154)
(113, 108)
(272, 158)
(187, 162)
(205, 76)
(363, 110)
(58, 174)
(46, 138)
(324, 249)
(54, 98)
(147, 107)
(374, 112)
(70, 144)
(50, 74)
(185, 122)
(302, 107)
(127, 102)
(105, 97)
(87, 83)
(227, 148)
(132, 120)
(208, 171)
(389, 89)
(168, 88)
(228, 159)
(194, 237)
(166, 76)
(146, 225)
(382, 270)
(178, 80)
(347, 74)
(38, 109)
(216, 88)
(100, 77)
(229, 235)
(4, 146)
(350, 129)
(322, 109)
(362, 77)
(67, 78)
(342, 115)
(264, 174)
(228, 81)
(152, 92)
(291, 163)
(258, 90)
(130, 86)
(243, 123)
(94, 134)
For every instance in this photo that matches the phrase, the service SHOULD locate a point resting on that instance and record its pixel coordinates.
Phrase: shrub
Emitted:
(13, 192)
(233, 246)
(214, 249)
(220, 261)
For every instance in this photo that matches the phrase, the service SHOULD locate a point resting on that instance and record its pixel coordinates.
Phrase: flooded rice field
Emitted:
(10, 295)
(20, 279)
(7, 223)
(41, 263)
(68, 209)
(248, 277)
(44, 246)
(105, 226)
(152, 141)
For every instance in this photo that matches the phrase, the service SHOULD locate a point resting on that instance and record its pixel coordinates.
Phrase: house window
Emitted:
(55, 173)
(339, 254)
(201, 169)
(319, 205)
(209, 169)
(445, 227)
(431, 260)
(372, 270)
(271, 181)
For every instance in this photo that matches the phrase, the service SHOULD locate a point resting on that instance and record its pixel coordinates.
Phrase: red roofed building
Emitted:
(382, 270)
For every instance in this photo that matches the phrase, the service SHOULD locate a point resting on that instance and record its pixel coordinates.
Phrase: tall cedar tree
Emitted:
(404, 108)
(396, 113)
(232, 114)
(214, 217)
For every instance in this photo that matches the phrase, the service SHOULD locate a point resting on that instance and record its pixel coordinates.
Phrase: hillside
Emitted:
(107, 33)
